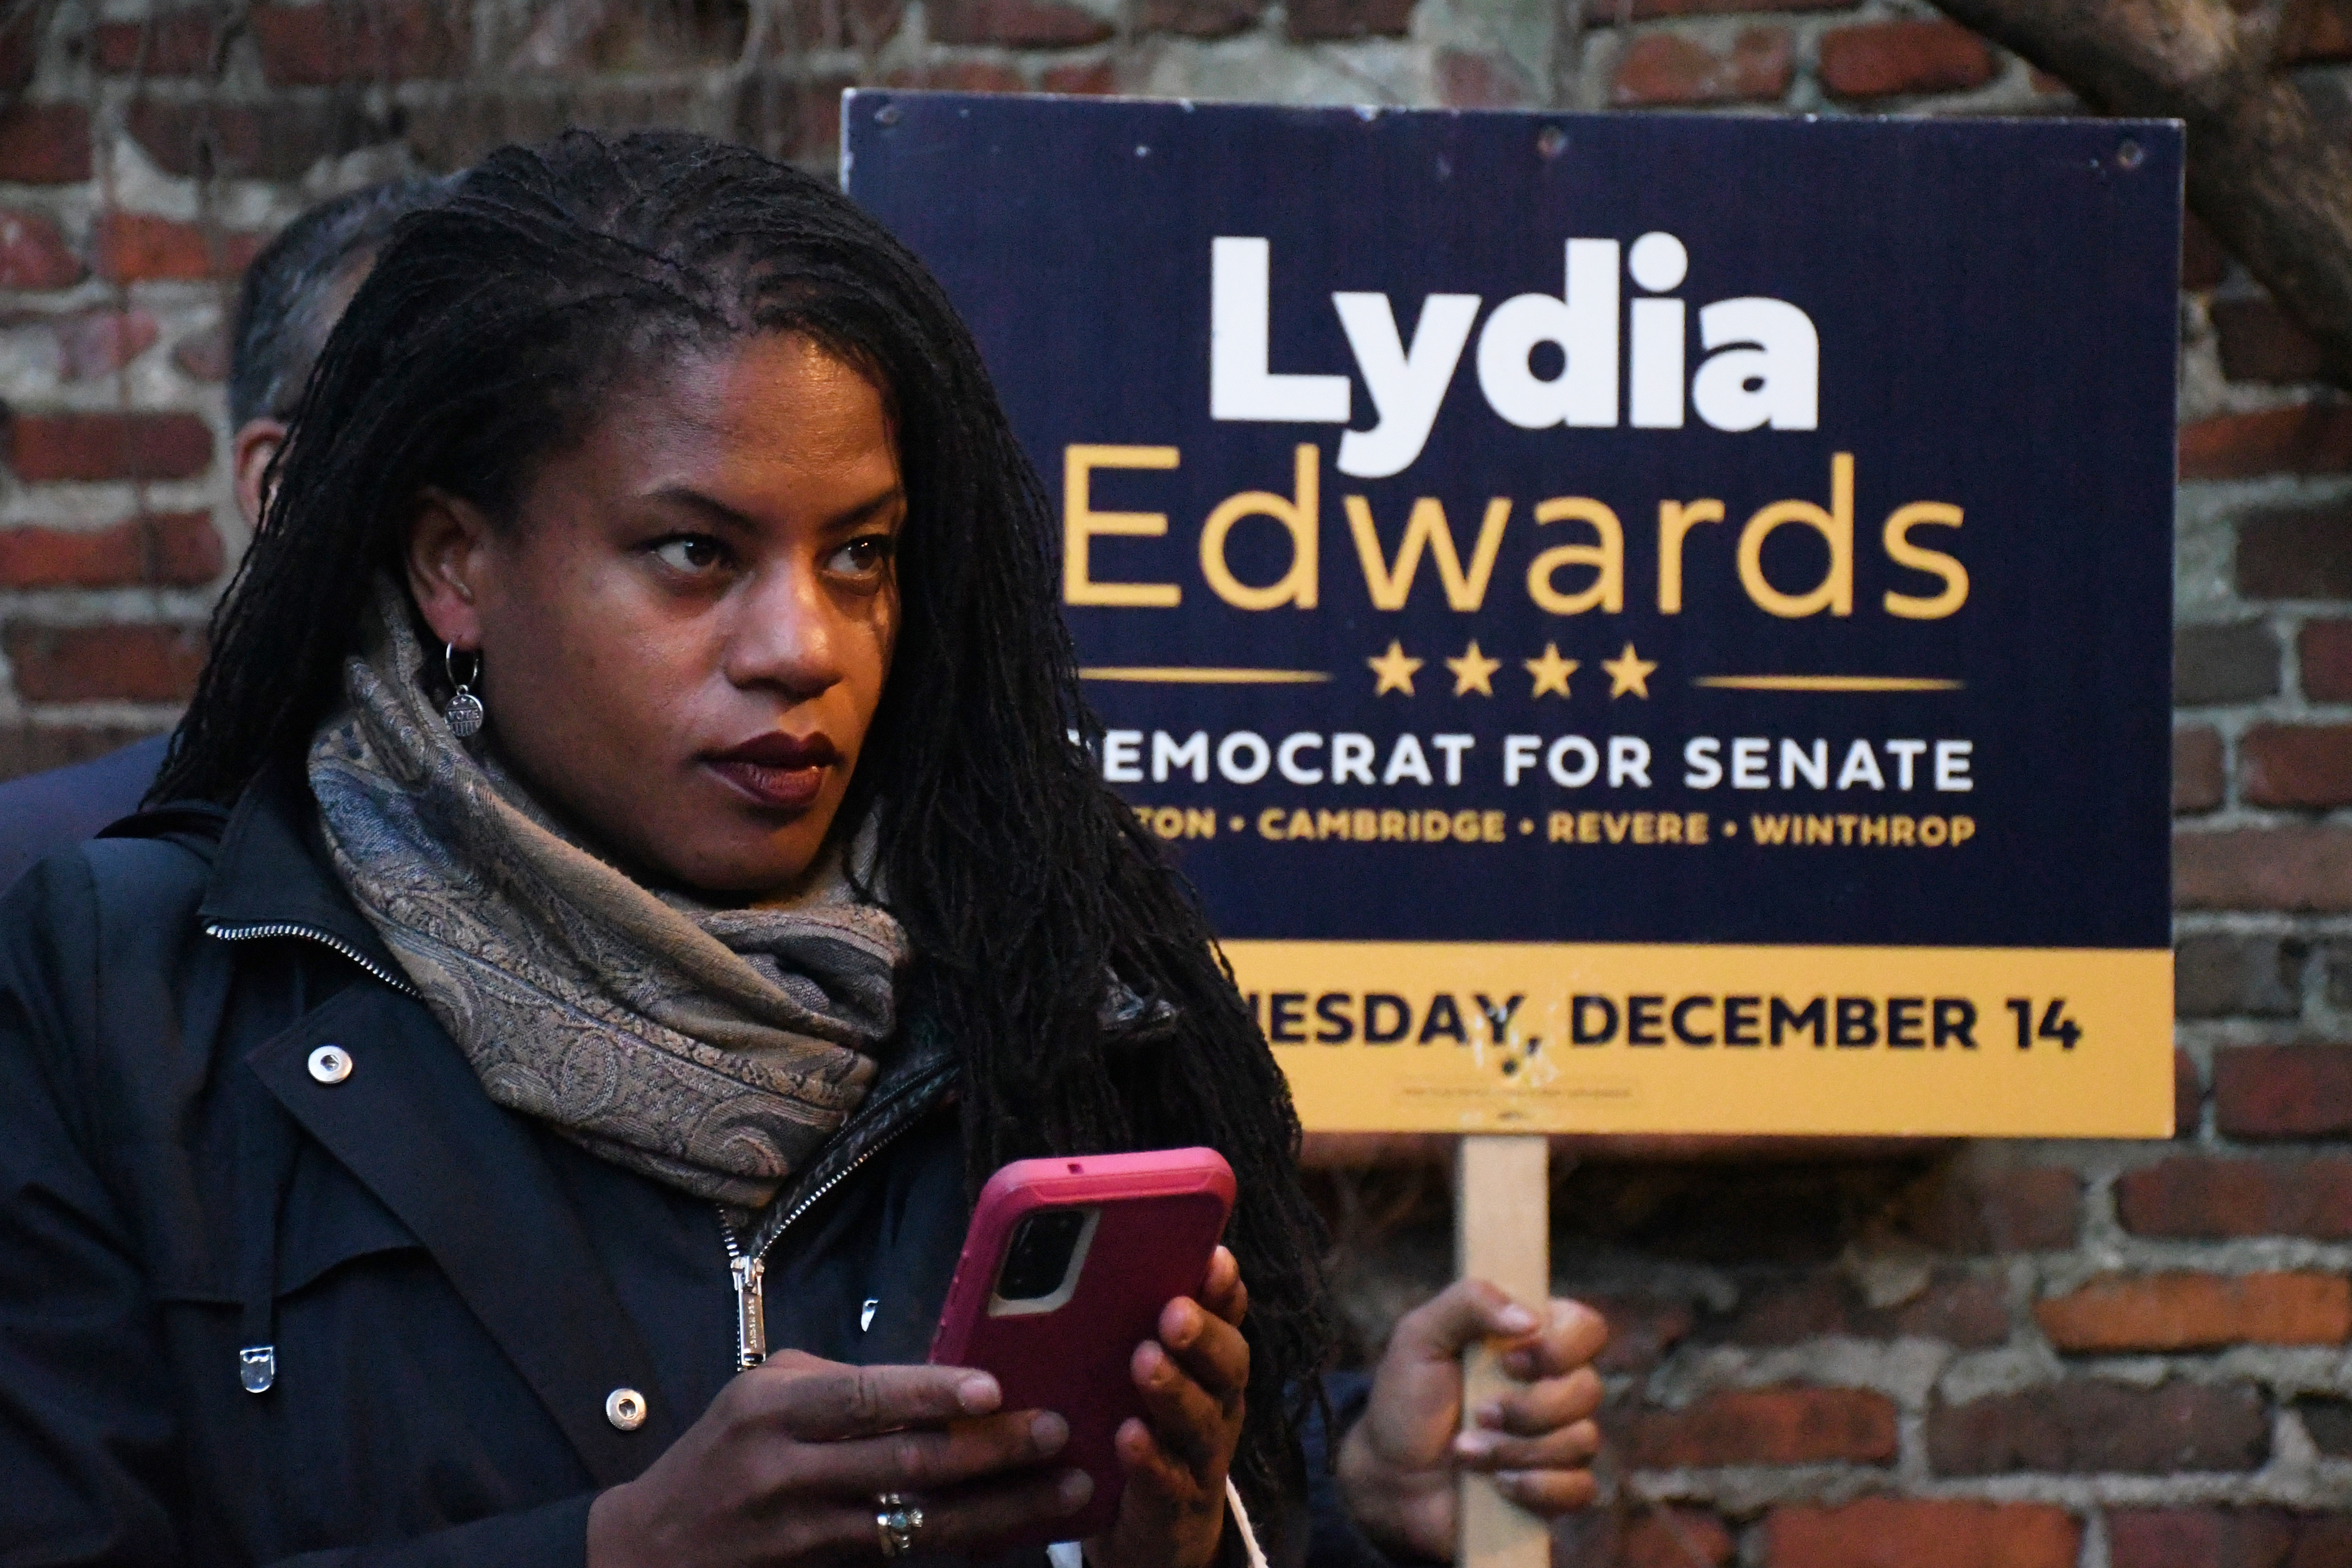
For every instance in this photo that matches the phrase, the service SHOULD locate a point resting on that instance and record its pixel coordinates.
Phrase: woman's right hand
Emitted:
(786, 1464)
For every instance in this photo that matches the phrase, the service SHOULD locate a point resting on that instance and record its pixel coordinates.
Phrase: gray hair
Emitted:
(298, 285)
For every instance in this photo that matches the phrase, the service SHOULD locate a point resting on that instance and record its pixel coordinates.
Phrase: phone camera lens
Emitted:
(1039, 1258)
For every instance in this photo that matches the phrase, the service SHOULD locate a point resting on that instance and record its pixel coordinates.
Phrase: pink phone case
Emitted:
(1156, 1220)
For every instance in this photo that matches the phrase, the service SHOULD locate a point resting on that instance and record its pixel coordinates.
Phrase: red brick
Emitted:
(99, 342)
(1819, 1306)
(174, 43)
(2327, 1419)
(2324, 650)
(1017, 24)
(2216, 663)
(178, 549)
(2296, 765)
(2315, 438)
(1640, 1534)
(102, 664)
(33, 253)
(1670, 69)
(1887, 59)
(44, 447)
(1313, 20)
(278, 139)
(2188, 1095)
(2259, 342)
(2115, 1312)
(1767, 1426)
(44, 144)
(1096, 78)
(203, 354)
(1468, 79)
(320, 45)
(1972, 1313)
(37, 748)
(2203, 262)
(1966, 1208)
(1641, 1332)
(2283, 1092)
(2297, 869)
(129, 247)
(1905, 1533)
(960, 76)
(782, 116)
(2196, 770)
(20, 49)
(1955, 1307)
(2227, 1538)
(1675, 1538)
(1654, 10)
(2311, 31)
(2296, 552)
(2092, 1426)
(1200, 18)
(2204, 1199)
(2216, 974)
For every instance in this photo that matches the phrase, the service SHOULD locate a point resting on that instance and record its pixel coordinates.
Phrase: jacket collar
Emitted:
(273, 869)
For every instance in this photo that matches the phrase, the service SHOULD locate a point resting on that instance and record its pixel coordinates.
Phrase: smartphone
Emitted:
(1065, 1270)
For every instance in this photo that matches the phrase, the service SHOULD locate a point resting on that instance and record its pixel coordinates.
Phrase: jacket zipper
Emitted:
(750, 1303)
(313, 933)
(750, 1300)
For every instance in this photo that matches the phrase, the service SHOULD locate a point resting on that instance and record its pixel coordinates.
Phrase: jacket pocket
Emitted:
(324, 1219)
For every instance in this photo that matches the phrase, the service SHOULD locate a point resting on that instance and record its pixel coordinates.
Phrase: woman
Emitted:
(628, 871)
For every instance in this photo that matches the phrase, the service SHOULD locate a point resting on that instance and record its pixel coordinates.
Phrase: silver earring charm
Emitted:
(464, 711)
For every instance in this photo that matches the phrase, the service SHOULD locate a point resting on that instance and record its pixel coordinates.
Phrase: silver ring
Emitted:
(897, 1520)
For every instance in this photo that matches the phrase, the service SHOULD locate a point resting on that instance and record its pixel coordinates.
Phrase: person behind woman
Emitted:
(630, 869)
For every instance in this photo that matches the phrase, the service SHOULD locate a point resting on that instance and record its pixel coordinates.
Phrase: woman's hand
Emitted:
(1398, 1464)
(785, 1464)
(1191, 1378)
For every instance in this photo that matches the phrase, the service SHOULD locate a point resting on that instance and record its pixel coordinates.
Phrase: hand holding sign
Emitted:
(1398, 1464)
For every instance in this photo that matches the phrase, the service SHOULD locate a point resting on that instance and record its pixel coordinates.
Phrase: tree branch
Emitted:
(2272, 187)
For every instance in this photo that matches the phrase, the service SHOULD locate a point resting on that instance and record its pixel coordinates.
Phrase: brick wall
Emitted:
(2104, 1355)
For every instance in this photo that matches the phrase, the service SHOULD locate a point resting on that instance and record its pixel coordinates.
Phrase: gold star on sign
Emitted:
(1396, 669)
(1551, 671)
(1629, 672)
(1474, 672)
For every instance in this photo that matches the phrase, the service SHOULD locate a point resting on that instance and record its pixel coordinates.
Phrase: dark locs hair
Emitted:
(495, 326)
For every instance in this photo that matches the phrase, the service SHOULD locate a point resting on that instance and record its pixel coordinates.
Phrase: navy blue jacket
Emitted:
(46, 811)
(451, 1291)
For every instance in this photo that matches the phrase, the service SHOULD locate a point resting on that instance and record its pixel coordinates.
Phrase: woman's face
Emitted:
(684, 634)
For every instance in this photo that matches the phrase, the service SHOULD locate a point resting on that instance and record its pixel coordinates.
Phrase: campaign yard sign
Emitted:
(1631, 623)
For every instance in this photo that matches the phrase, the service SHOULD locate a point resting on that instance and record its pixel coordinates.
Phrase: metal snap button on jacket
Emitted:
(331, 1064)
(626, 1408)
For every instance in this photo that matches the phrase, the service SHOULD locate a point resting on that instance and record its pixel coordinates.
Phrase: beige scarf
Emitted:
(710, 1049)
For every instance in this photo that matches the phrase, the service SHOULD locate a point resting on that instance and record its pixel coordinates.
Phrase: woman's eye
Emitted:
(864, 557)
(690, 554)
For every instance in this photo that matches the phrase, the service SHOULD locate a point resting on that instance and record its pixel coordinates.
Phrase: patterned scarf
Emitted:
(710, 1049)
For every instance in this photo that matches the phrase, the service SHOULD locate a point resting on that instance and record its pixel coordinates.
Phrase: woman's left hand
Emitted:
(1193, 1378)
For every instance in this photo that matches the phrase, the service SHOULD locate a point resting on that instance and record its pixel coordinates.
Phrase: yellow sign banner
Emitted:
(1665, 1038)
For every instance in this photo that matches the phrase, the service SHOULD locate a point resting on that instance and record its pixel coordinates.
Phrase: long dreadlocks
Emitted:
(489, 334)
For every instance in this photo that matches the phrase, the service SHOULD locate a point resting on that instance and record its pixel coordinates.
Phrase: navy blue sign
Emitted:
(1526, 528)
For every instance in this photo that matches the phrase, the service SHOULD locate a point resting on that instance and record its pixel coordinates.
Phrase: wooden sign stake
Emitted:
(1502, 1233)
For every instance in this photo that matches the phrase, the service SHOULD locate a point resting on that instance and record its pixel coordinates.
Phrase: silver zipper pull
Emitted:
(751, 1313)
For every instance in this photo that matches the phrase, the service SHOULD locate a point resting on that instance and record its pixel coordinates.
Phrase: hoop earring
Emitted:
(464, 711)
